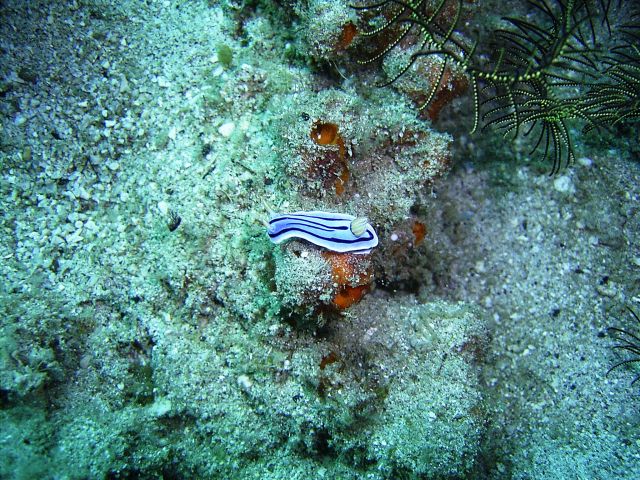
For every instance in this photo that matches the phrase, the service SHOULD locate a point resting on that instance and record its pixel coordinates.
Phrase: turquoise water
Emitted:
(150, 329)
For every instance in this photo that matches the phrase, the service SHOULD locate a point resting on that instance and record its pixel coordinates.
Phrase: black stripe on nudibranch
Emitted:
(344, 241)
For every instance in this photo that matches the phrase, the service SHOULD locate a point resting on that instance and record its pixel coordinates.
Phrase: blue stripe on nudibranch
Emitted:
(325, 229)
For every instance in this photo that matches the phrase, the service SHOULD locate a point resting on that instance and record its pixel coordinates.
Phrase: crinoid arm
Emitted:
(565, 62)
(629, 341)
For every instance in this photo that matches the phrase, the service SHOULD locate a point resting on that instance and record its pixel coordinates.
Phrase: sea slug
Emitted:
(337, 232)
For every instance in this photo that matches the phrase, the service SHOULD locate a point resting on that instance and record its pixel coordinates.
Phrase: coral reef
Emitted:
(149, 328)
(364, 157)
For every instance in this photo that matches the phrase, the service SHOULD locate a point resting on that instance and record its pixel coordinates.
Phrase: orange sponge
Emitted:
(353, 275)
(419, 232)
(348, 296)
(334, 163)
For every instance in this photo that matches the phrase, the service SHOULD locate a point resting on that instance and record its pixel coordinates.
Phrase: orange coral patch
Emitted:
(326, 134)
(349, 31)
(331, 357)
(341, 181)
(419, 232)
(347, 268)
(451, 88)
(351, 274)
(348, 296)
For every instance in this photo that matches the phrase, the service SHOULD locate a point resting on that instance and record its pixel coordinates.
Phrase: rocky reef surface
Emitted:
(150, 329)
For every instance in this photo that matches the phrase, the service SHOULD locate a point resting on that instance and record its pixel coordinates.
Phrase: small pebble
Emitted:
(563, 184)
(163, 207)
(244, 382)
(585, 161)
(226, 129)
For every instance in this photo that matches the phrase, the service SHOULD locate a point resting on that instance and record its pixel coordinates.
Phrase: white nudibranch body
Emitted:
(337, 232)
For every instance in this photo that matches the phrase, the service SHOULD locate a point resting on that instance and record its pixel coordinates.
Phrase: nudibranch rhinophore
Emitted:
(337, 232)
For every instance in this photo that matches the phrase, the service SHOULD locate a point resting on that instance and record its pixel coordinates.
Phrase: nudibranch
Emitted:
(337, 232)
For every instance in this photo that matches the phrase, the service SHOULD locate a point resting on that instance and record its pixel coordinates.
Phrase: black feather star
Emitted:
(535, 76)
(629, 342)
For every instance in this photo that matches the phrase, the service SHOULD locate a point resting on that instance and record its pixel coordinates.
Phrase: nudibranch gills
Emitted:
(337, 232)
